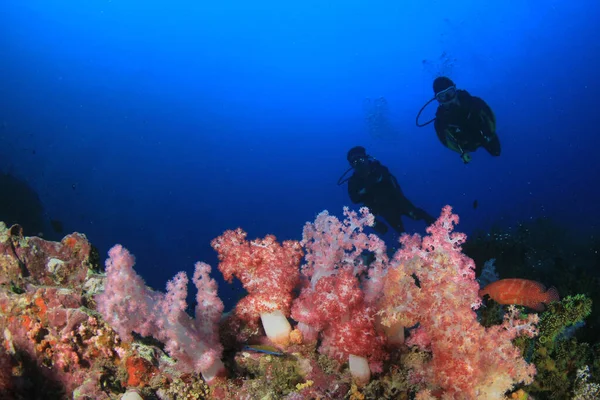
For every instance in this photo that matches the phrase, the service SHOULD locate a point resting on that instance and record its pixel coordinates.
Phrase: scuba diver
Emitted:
(373, 185)
(463, 123)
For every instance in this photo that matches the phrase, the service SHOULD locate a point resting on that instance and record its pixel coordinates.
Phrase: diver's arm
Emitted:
(440, 130)
(488, 119)
(481, 118)
(470, 110)
(380, 174)
(445, 136)
(451, 143)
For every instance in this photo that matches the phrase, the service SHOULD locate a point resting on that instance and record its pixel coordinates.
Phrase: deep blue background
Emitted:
(177, 120)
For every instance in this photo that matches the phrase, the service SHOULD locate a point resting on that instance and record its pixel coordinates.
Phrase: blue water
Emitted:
(158, 125)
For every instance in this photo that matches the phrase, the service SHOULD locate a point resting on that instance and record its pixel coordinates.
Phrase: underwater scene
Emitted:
(301, 200)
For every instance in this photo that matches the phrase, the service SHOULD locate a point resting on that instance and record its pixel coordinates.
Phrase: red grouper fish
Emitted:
(521, 292)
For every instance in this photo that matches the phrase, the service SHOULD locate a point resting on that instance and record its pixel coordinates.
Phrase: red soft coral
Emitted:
(335, 303)
(269, 271)
(332, 297)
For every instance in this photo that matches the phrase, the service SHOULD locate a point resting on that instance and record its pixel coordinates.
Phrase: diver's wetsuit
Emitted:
(379, 190)
(468, 125)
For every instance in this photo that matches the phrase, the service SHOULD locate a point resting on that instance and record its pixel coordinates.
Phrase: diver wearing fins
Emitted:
(373, 185)
(463, 123)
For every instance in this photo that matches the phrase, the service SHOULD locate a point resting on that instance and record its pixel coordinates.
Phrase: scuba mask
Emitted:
(446, 95)
(358, 161)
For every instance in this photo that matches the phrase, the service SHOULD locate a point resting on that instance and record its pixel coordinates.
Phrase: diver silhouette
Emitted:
(374, 186)
(463, 123)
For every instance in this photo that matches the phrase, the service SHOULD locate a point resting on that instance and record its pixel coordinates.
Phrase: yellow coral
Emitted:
(519, 395)
(355, 394)
(304, 385)
(296, 337)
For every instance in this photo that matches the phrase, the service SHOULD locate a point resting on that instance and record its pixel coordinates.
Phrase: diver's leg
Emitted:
(395, 221)
(416, 213)
(421, 214)
(380, 226)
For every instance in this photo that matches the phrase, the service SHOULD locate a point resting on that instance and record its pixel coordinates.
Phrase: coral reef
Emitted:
(377, 327)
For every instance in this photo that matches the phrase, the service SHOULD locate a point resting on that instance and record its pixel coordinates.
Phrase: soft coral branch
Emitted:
(335, 303)
(269, 271)
(432, 283)
(128, 305)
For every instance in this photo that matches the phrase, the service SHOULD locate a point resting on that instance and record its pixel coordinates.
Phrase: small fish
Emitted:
(523, 292)
(475, 204)
(258, 348)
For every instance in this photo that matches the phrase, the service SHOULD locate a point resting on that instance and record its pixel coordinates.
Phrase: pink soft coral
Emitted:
(334, 302)
(128, 305)
(432, 283)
